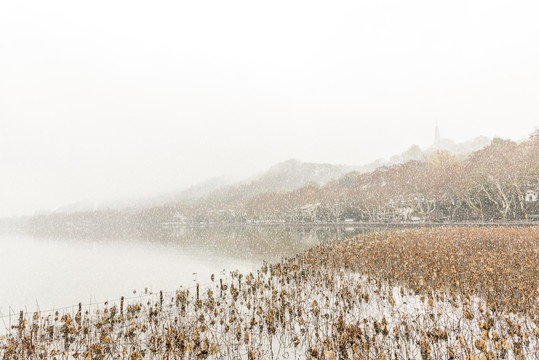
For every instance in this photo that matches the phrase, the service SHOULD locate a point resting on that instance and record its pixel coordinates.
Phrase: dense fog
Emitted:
(113, 101)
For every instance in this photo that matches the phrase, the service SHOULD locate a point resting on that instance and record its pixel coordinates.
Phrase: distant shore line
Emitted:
(366, 224)
(344, 224)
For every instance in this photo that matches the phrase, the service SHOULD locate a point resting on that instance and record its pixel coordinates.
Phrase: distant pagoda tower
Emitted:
(436, 133)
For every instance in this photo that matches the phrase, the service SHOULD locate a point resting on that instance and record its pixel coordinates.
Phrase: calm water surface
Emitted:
(56, 270)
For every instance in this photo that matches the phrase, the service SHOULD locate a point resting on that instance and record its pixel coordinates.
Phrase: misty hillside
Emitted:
(188, 195)
(443, 187)
(200, 190)
(463, 148)
(293, 174)
(282, 177)
(415, 153)
(285, 176)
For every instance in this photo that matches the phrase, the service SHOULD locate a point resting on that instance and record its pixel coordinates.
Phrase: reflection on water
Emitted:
(256, 243)
(63, 269)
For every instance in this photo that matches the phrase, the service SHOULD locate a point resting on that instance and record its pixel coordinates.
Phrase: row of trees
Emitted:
(490, 184)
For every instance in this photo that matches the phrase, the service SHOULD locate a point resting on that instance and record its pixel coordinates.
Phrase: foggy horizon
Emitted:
(239, 177)
(108, 101)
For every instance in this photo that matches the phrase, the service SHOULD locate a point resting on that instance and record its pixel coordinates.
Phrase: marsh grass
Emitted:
(451, 293)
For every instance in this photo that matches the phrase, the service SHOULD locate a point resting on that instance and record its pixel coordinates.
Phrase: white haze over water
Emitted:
(54, 273)
(102, 99)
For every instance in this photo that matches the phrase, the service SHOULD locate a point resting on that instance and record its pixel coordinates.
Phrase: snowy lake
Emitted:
(55, 271)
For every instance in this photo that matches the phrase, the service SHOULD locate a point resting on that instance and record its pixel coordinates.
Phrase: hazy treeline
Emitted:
(490, 184)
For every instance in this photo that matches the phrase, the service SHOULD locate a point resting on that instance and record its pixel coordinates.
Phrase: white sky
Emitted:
(105, 99)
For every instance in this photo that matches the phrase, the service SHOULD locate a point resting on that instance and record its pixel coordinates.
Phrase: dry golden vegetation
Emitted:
(500, 265)
(445, 293)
